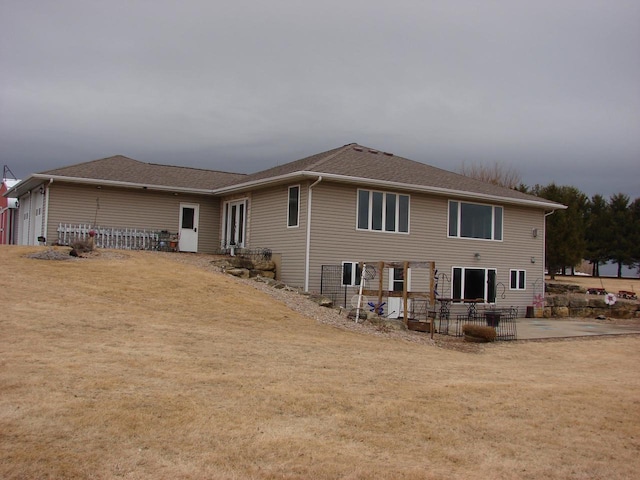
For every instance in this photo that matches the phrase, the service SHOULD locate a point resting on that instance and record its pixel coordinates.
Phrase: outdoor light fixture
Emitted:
(477, 256)
(533, 259)
(534, 232)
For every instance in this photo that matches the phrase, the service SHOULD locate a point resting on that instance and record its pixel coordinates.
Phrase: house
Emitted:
(340, 207)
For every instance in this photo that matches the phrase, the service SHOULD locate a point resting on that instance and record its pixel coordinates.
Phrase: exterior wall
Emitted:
(335, 239)
(267, 228)
(131, 208)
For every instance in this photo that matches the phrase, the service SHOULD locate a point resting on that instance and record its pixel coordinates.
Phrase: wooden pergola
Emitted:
(406, 295)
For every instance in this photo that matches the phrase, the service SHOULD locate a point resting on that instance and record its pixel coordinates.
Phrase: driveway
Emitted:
(534, 328)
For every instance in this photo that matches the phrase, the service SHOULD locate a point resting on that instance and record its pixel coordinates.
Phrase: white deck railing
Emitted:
(113, 237)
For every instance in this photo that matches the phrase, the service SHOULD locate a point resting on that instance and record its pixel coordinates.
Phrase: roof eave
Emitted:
(547, 205)
(36, 179)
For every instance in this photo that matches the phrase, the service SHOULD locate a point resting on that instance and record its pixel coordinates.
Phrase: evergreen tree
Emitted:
(565, 230)
(597, 232)
(620, 229)
(635, 232)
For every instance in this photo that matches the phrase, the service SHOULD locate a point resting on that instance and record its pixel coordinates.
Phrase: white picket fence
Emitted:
(113, 237)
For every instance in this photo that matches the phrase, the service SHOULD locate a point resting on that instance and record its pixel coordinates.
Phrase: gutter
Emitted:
(109, 183)
(45, 207)
(308, 245)
(302, 174)
(389, 185)
(544, 245)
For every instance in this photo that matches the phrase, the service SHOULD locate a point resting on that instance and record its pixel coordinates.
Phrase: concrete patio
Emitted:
(536, 328)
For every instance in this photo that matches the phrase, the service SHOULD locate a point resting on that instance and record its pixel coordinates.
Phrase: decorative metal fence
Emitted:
(502, 319)
(331, 285)
(114, 237)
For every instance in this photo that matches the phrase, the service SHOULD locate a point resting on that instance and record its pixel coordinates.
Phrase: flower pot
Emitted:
(493, 318)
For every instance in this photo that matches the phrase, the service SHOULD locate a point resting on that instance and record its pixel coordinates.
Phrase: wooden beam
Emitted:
(405, 289)
(381, 275)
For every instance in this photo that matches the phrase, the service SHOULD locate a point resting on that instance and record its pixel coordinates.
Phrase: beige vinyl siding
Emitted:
(130, 208)
(267, 228)
(335, 239)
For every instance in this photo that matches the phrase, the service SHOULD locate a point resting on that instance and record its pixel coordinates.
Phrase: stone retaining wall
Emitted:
(588, 306)
(244, 267)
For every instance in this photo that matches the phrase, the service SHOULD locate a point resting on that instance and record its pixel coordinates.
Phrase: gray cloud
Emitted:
(552, 88)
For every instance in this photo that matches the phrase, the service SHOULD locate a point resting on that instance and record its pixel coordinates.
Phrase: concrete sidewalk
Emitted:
(534, 328)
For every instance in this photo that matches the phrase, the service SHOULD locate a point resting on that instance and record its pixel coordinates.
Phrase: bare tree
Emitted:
(496, 173)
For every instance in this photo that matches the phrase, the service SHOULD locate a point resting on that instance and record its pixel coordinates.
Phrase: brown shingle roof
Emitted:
(357, 161)
(123, 169)
(350, 162)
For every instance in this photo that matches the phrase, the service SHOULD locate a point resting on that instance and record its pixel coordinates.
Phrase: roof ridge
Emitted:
(94, 161)
(194, 168)
(329, 157)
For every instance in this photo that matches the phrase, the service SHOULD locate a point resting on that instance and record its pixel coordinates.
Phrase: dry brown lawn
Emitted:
(613, 285)
(134, 366)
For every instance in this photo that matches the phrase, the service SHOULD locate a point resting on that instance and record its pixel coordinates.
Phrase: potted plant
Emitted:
(492, 317)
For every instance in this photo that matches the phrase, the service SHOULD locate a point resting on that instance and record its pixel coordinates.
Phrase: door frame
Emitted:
(186, 244)
(239, 219)
(396, 304)
(488, 285)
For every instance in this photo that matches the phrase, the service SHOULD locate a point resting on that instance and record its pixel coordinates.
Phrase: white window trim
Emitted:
(297, 225)
(462, 282)
(459, 221)
(225, 221)
(355, 278)
(518, 287)
(384, 212)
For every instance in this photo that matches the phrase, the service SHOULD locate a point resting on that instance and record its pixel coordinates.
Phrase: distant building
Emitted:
(8, 213)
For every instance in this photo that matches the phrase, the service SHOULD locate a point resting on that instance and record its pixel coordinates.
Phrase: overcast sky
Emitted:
(548, 88)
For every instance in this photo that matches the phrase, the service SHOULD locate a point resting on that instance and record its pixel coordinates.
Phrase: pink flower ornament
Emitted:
(610, 299)
(538, 300)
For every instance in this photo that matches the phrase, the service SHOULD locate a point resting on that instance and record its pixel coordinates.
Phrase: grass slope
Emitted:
(133, 366)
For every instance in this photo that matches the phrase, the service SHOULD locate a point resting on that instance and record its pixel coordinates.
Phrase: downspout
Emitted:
(544, 246)
(45, 213)
(29, 220)
(308, 246)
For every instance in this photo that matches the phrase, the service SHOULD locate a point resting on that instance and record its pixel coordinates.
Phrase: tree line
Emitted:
(596, 229)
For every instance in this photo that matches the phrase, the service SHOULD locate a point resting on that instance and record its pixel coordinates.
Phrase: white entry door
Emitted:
(189, 217)
(396, 284)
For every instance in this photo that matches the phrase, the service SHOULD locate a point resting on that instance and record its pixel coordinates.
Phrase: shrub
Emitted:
(479, 333)
(82, 246)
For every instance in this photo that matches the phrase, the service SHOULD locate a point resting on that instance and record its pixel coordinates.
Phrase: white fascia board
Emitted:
(548, 205)
(39, 178)
(17, 188)
(240, 187)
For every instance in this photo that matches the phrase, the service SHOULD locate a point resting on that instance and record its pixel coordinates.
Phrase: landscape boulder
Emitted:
(238, 272)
